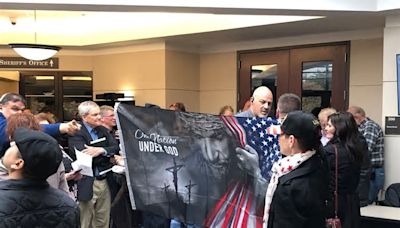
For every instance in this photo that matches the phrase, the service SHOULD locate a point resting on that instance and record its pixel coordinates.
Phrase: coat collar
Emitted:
(307, 167)
(22, 184)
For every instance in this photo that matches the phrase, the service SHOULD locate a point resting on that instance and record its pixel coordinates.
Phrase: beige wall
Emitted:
(182, 79)
(391, 47)
(76, 63)
(206, 82)
(9, 86)
(9, 81)
(217, 81)
(365, 86)
(141, 73)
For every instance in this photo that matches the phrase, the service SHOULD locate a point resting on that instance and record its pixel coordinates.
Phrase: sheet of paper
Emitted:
(97, 140)
(83, 162)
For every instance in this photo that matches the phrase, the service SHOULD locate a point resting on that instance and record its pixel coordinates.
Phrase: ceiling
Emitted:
(197, 27)
(83, 28)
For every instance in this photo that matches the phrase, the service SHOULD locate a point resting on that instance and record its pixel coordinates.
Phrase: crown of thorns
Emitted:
(204, 125)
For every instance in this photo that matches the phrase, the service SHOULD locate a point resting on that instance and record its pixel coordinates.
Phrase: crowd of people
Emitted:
(332, 154)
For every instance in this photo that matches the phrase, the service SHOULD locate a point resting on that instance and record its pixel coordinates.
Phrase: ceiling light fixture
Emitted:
(35, 51)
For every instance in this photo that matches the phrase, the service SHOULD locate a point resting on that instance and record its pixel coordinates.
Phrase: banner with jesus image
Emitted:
(198, 168)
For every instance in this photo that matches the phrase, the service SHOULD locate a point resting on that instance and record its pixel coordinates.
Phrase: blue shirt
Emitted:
(91, 131)
(51, 129)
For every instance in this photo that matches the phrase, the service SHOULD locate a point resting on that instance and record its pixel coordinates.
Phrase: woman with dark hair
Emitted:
(297, 190)
(344, 137)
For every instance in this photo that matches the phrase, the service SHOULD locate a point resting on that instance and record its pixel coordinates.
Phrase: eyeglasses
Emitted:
(17, 109)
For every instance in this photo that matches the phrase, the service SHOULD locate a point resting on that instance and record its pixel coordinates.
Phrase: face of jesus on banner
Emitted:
(215, 150)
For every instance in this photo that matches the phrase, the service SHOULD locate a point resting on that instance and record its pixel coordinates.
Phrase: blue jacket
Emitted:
(51, 129)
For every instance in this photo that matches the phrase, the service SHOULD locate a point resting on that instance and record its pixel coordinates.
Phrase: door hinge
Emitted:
(344, 95)
(345, 57)
(239, 64)
(238, 97)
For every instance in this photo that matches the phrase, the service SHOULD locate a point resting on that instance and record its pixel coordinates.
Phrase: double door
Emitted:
(58, 92)
(318, 74)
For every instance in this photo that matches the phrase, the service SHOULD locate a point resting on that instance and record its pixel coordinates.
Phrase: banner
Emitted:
(198, 168)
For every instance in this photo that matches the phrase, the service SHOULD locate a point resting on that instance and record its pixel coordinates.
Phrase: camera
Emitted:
(13, 20)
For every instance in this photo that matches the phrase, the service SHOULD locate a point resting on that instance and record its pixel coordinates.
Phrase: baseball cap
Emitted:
(301, 125)
(41, 153)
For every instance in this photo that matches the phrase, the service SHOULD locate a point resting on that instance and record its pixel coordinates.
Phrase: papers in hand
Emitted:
(97, 140)
(83, 162)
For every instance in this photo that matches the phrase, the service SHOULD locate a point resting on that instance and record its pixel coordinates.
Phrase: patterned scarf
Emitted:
(280, 168)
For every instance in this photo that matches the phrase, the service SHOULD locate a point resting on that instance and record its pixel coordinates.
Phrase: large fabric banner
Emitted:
(198, 168)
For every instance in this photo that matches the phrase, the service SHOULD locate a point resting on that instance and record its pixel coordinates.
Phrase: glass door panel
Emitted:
(40, 93)
(264, 75)
(76, 89)
(316, 85)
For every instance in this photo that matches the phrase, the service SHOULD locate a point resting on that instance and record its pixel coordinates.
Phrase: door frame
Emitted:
(345, 80)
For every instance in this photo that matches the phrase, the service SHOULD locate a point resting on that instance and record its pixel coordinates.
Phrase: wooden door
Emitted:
(318, 74)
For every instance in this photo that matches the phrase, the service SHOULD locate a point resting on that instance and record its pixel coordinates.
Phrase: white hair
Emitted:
(85, 107)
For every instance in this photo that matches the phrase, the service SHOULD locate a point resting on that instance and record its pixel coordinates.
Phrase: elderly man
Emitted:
(373, 134)
(12, 103)
(261, 103)
(323, 121)
(287, 102)
(93, 192)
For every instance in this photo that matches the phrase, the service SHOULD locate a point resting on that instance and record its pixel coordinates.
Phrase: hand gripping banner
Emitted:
(198, 168)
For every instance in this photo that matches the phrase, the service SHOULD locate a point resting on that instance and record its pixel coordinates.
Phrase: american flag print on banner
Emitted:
(262, 135)
(238, 207)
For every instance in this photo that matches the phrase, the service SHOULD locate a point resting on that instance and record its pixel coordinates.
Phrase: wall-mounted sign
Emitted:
(19, 62)
(392, 125)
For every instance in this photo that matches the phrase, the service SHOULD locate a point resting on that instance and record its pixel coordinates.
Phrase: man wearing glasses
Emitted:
(13, 103)
(108, 119)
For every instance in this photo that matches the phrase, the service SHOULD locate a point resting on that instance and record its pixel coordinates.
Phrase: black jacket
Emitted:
(299, 199)
(348, 179)
(101, 162)
(29, 203)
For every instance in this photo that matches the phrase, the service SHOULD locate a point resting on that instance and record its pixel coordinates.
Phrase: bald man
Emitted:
(261, 103)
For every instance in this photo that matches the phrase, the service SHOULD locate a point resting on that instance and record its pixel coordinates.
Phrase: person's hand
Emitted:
(248, 160)
(93, 151)
(119, 160)
(73, 175)
(70, 127)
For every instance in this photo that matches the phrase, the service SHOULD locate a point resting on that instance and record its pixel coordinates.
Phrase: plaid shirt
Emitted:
(374, 136)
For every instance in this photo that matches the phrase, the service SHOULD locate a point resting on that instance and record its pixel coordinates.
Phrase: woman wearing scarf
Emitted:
(298, 188)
